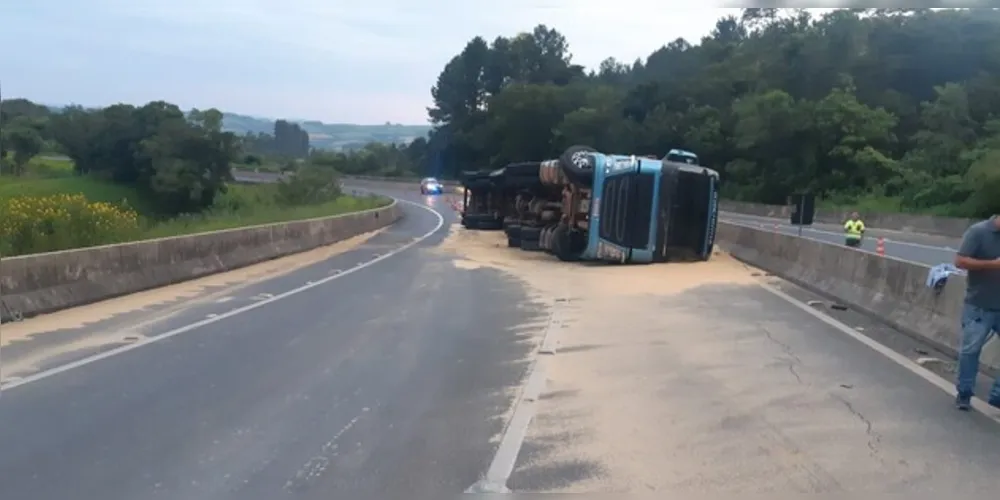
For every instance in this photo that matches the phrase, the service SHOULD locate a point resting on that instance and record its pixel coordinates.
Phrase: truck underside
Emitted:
(547, 206)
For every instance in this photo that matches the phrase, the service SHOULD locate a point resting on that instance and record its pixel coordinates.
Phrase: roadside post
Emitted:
(804, 210)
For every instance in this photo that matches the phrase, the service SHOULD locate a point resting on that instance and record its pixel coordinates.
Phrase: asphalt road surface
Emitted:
(914, 247)
(392, 370)
(387, 382)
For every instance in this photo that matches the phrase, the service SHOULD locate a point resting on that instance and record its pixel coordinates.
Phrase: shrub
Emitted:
(32, 224)
(312, 185)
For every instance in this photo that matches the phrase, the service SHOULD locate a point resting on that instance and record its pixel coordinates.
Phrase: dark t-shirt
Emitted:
(982, 241)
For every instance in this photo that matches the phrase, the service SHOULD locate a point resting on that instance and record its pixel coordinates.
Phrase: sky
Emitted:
(339, 61)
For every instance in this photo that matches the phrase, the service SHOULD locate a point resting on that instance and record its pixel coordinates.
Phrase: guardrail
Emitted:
(48, 282)
(886, 288)
(953, 227)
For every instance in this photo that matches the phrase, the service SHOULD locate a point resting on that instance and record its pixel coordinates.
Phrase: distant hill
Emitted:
(322, 135)
(329, 135)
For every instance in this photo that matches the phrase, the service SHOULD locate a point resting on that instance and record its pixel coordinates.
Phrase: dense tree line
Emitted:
(287, 141)
(886, 108)
(376, 158)
(179, 161)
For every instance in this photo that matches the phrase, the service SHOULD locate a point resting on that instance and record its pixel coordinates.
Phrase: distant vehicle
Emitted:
(681, 156)
(431, 185)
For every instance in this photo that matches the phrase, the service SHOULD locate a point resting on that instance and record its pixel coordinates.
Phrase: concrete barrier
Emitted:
(888, 289)
(43, 283)
(953, 227)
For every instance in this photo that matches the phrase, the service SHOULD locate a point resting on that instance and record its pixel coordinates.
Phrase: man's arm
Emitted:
(965, 257)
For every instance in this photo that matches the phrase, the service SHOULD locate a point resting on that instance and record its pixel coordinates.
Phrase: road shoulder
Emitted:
(694, 378)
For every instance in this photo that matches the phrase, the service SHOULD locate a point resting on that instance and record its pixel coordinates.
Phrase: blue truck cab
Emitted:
(646, 210)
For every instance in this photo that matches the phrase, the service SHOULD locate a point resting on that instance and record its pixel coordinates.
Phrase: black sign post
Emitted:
(805, 208)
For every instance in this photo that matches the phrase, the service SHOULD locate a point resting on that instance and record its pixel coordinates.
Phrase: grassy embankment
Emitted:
(51, 209)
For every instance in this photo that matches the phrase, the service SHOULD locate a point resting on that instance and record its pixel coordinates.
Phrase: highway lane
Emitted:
(924, 249)
(386, 382)
(327, 394)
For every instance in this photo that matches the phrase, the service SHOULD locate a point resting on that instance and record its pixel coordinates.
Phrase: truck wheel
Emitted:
(578, 163)
(530, 245)
(490, 223)
(530, 233)
(478, 221)
(566, 243)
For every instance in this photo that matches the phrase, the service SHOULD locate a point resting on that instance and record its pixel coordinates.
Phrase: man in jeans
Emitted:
(980, 256)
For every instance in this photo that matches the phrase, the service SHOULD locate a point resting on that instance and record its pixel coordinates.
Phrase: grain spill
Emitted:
(674, 378)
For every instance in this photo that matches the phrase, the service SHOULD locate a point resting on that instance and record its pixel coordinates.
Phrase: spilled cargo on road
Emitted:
(891, 290)
(592, 206)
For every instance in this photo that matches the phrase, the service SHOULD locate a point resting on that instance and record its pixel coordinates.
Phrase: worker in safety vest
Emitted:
(854, 229)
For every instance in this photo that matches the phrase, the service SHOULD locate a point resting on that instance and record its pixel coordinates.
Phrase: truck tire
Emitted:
(530, 245)
(566, 243)
(477, 221)
(578, 163)
(529, 233)
(490, 223)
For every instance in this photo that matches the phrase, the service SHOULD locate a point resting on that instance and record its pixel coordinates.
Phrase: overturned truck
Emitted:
(587, 205)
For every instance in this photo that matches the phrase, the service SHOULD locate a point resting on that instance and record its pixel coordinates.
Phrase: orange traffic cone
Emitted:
(880, 247)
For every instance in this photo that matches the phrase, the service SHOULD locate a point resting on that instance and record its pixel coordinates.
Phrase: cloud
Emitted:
(366, 61)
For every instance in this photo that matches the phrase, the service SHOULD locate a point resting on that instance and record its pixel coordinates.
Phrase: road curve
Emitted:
(386, 382)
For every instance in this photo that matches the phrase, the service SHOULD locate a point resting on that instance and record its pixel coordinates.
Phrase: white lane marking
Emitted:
(211, 315)
(821, 231)
(894, 356)
(268, 299)
(505, 458)
(223, 300)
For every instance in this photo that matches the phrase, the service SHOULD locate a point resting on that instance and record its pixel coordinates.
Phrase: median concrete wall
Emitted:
(43, 283)
(924, 224)
(889, 289)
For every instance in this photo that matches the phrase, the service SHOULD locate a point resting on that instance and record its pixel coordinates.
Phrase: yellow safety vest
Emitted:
(854, 228)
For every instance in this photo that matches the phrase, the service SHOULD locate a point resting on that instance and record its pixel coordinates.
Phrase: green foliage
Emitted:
(176, 163)
(378, 159)
(311, 185)
(287, 140)
(139, 172)
(257, 204)
(873, 108)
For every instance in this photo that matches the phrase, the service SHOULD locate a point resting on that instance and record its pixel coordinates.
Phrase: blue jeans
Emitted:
(978, 325)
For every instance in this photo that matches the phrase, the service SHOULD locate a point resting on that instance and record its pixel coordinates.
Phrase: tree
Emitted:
(23, 141)
(876, 106)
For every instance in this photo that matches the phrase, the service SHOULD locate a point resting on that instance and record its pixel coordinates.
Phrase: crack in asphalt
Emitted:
(874, 438)
(791, 359)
